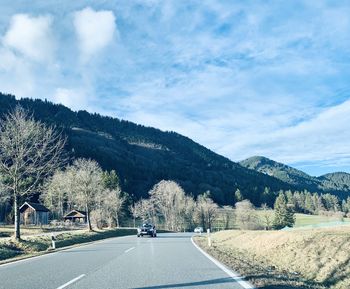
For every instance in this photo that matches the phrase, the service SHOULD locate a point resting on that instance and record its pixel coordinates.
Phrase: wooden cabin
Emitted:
(76, 216)
(34, 214)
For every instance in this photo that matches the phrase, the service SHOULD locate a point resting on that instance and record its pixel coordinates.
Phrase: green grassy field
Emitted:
(301, 220)
(309, 220)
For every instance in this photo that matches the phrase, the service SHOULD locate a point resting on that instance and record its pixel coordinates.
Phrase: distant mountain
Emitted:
(337, 183)
(142, 156)
(338, 180)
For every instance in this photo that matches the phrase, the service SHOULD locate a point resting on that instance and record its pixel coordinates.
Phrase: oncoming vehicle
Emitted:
(147, 229)
(198, 230)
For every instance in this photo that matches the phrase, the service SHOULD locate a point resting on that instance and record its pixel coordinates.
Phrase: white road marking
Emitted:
(229, 272)
(132, 248)
(69, 248)
(71, 281)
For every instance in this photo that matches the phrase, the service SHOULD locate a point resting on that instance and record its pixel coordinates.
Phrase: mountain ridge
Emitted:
(336, 181)
(142, 155)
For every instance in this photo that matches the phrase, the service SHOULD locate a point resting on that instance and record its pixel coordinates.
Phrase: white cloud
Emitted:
(31, 36)
(321, 139)
(73, 98)
(240, 78)
(94, 29)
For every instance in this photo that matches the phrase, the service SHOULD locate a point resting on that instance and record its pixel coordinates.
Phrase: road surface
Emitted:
(168, 261)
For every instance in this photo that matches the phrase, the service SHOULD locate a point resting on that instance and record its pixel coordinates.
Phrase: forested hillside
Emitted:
(337, 183)
(143, 156)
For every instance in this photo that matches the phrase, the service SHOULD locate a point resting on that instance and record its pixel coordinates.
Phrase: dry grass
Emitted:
(318, 258)
(8, 230)
(33, 245)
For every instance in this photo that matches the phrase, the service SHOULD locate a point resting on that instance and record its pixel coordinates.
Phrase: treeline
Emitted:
(302, 201)
(285, 206)
(316, 204)
(168, 204)
(84, 186)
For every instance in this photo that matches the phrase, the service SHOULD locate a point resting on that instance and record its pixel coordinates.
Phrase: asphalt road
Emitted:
(168, 261)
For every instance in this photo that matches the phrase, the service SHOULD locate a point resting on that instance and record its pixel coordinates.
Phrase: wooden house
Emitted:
(76, 216)
(34, 214)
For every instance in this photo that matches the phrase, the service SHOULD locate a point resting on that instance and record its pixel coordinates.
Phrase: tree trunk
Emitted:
(17, 219)
(134, 222)
(117, 219)
(88, 218)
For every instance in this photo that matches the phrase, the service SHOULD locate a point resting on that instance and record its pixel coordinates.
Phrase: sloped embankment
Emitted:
(318, 258)
(31, 246)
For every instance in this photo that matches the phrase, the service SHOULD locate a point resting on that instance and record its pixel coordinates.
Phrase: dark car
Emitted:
(147, 229)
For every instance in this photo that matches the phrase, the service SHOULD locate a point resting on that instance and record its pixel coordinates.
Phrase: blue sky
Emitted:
(243, 78)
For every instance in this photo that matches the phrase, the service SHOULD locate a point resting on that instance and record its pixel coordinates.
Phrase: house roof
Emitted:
(76, 213)
(35, 206)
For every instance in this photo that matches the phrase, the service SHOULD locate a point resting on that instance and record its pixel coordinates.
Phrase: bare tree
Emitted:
(30, 151)
(133, 211)
(246, 216)
(188, 213)
(86, 185)
(57, 194)
(168, 198)
(227, 215)
(207, 210)
(143, 209)
(267, 216)
(113, 204)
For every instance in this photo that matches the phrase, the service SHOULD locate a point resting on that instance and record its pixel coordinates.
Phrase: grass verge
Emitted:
(31, 246)
(300, 259)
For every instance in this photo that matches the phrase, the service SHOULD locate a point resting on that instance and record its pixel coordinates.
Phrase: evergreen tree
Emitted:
(309, 204)
(110, 180)
(267, 197)
(284, 215)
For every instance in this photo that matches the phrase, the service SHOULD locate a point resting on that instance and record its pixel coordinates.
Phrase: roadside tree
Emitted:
(86, 184)
(169, 200)
(30, 152)
(207, 210)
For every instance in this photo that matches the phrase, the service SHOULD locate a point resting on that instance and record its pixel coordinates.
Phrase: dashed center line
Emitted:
(132, 248)
(71, 281)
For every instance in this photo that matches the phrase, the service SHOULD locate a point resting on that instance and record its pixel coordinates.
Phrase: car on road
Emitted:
(147, 229)
(198, 230)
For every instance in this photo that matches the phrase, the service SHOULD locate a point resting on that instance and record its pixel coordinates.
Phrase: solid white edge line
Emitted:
(71, 281)
(46, 254)
(132, 248)
(228, 271)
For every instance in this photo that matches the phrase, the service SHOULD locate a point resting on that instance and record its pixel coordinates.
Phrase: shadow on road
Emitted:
(173, 237)
(191, 284)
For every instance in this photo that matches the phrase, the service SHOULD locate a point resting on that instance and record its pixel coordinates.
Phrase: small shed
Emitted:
(76, 216)
(34, 214)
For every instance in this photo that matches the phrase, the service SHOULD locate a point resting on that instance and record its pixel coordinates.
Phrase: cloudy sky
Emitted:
(243, 78)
